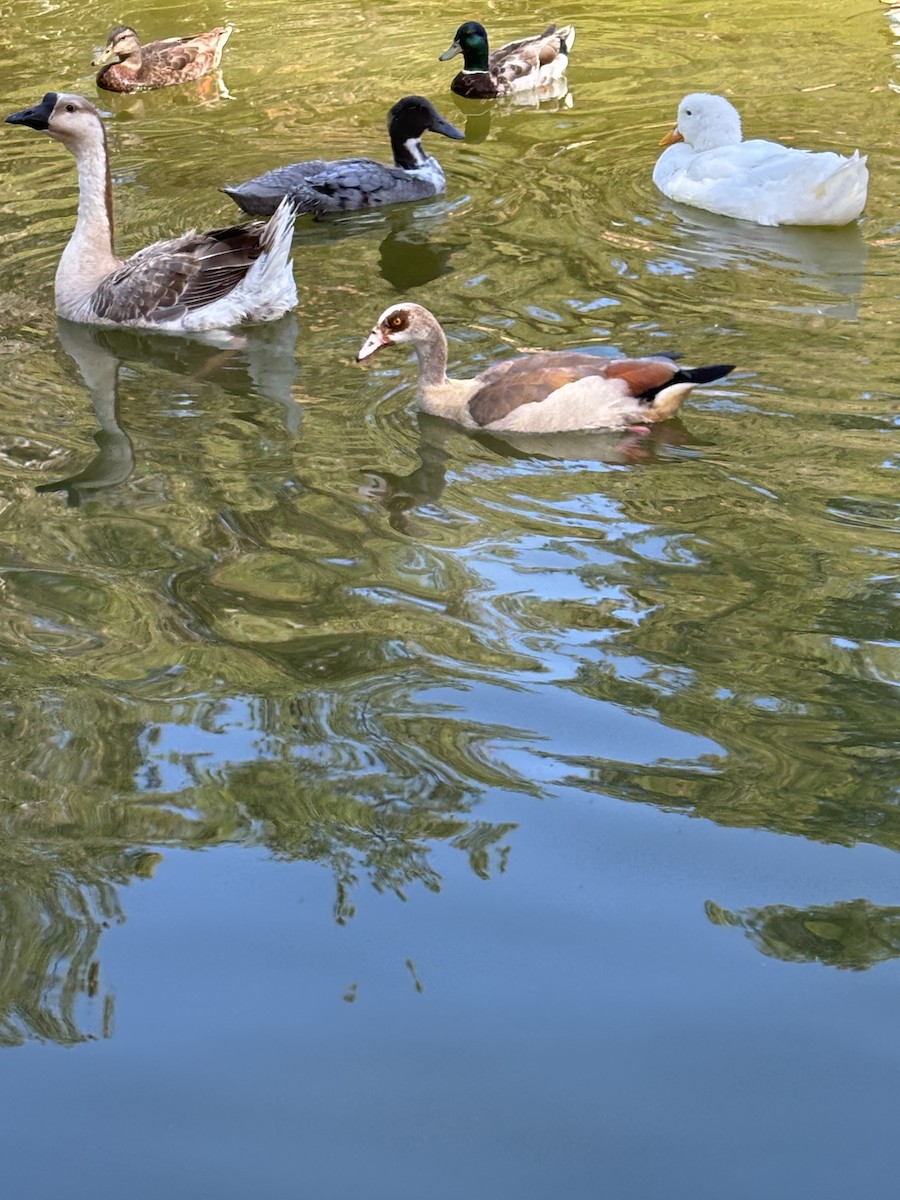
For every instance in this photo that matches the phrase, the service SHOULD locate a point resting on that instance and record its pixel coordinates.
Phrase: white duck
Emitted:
(709, 166)
(197, 281)
(547, 392)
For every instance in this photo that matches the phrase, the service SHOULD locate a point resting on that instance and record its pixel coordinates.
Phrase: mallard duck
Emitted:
(197, 281)
(321, 187)
(516, 67)
(547, 392)
(708, 165)
(158, 64)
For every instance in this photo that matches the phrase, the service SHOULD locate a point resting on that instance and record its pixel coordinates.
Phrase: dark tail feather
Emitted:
(694, 375)
(702, 374)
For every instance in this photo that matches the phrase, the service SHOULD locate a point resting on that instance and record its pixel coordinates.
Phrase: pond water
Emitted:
(547, 793)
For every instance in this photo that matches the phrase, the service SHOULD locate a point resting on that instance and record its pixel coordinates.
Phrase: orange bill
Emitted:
(671, 138)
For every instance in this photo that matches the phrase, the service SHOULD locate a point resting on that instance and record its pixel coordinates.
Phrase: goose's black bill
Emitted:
(37, 117)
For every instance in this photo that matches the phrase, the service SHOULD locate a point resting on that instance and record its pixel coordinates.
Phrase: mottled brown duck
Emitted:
(546, 392)
(133, 67)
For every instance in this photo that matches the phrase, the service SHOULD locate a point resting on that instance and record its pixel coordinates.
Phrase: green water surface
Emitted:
(548, 791)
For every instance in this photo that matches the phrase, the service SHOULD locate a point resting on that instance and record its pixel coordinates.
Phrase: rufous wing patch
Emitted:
(642, 375)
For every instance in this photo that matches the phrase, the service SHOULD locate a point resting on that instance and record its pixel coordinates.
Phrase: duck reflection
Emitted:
(831, 259)
(410, 253)
(207, 92)
(259, 360)
(477, 114)
(850, 934)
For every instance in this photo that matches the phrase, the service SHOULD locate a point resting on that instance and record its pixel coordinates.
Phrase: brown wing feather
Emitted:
(642, 374)
(171, 278)
(518, 381)
(531, 379)
(530, 54)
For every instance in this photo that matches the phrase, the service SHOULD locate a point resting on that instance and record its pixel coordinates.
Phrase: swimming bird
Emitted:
(322, 187)
(212, 280)
(515, 67)
(709, 166)
(546, 392)
(133, 67)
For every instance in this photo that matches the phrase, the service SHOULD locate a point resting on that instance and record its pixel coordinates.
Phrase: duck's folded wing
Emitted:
(354, 183)
(178, 53)
(262, 194)
(530, 54)
(529, 380)
(171, 278)
(511, 48)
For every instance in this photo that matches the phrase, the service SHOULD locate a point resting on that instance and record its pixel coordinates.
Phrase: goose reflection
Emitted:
(830, 259)
(114, 460)
(402, 494)
(259, 360)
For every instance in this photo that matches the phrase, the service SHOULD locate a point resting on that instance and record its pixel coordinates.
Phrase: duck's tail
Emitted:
(566, 35)
(274, 270)
(847, 189)
(668, 399)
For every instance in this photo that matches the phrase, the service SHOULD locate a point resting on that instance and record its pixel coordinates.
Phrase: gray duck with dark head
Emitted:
(320, 187)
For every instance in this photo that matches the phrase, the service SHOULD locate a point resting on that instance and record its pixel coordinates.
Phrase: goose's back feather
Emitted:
(165, 281)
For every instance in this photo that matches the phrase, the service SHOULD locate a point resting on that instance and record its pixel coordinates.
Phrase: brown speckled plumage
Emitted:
(158, 64)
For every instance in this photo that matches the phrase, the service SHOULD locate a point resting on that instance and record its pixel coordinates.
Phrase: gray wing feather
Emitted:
(322, 187)
(169, 278)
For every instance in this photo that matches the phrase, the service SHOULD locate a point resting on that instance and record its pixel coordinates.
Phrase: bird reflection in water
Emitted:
(552, 97)
(259, 360)
(832, 260)
(401, 495)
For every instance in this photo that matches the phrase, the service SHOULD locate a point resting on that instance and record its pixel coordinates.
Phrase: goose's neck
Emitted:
(431, 351)
(89, 257)
(439, 395)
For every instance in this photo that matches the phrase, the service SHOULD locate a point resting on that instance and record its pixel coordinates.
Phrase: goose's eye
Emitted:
(397, 321)
(70, 108)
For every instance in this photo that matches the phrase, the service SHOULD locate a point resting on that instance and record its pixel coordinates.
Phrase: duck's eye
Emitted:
(70, 108)
(687, 112)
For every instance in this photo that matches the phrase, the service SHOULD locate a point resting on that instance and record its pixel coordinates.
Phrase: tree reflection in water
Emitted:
(850, 934)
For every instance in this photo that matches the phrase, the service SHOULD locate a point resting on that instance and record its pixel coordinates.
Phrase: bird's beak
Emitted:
(37, 117)
(439, 125)
(672, 137)
(376, 340)
(451, 50)
(103, 57)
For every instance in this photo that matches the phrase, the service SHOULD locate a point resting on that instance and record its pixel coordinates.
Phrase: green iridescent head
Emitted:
(472, 43)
